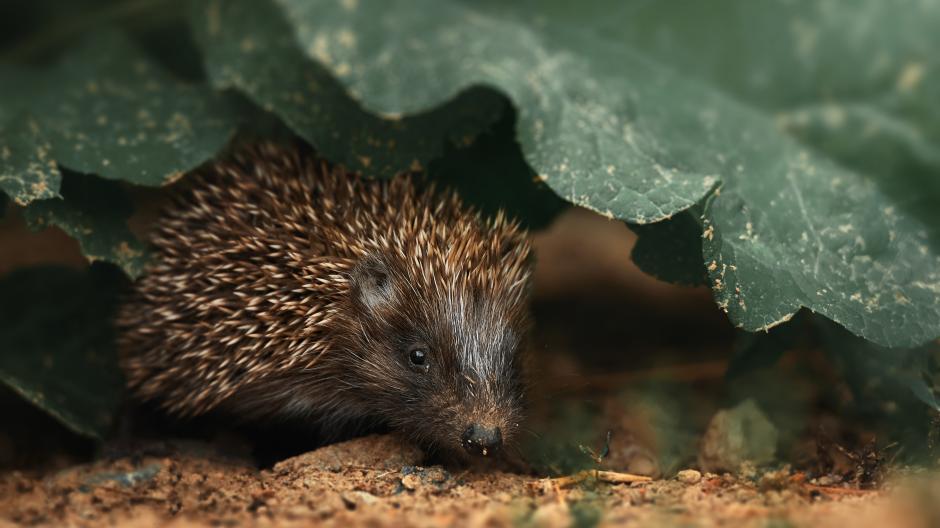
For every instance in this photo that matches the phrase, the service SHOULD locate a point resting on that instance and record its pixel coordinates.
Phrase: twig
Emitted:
(610, 477)
(834, 490)
(559, 496)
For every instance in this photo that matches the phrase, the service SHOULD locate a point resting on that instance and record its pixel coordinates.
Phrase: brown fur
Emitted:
(282, 287)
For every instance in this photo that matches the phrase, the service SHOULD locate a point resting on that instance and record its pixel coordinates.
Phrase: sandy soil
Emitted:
(378, 481)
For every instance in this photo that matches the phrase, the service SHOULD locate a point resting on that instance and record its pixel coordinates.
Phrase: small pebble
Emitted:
(689, 476)
(411, 482)
(356, 498)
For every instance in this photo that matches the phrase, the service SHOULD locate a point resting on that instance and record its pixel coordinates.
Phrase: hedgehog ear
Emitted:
(372, 282)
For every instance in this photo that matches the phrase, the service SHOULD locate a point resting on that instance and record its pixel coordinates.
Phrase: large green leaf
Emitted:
(626, 126)
(860, 245)
(105, 108)
(249, 47)
(858, 79)
(580, 128)
(58, 344)
(94, 212)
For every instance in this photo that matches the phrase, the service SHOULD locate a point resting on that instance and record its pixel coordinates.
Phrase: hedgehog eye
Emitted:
(418, 357)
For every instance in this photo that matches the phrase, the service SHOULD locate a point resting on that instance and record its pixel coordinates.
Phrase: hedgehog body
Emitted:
(282, 288)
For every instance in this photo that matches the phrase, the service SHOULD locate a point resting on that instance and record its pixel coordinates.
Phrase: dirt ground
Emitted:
(378, 481)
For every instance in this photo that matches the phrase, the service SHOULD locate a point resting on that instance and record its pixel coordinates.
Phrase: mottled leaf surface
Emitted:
(847, 227)
(825, 238)
(594, 122)
(625, 125)
(27, 169)
(58, 349)
(93, 211)
(249, 46)
(858, 79)
(105, 108)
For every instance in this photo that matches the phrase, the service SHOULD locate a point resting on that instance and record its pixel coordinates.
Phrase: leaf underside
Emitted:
(58, 344)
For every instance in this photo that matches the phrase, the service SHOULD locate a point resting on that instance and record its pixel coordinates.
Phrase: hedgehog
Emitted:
(286, 288)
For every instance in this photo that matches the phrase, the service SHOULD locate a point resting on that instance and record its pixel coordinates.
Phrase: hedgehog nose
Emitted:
(483, 441)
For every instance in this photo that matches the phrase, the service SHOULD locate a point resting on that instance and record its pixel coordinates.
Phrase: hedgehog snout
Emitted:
(481, 440)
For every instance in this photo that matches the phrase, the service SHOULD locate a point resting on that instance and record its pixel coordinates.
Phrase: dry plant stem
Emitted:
(832, 490)
(610, 477)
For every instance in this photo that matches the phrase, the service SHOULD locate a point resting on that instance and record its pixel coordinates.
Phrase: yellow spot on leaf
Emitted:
(910, 77)
(709, 233)
(833, 116)
(125, 252)
(346, 38)
(320, 49)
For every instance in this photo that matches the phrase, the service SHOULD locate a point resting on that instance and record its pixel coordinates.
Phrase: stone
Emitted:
(738, 435)
(381, 452)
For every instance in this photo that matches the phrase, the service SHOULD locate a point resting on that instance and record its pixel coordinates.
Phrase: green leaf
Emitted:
(94, 212)
(856, 79)
(42, 29)
(878, 374)
(577, 125)
(106, 109)
(58, 344)
(861, 246)
(827, 239)
(671, 250)
(609, 123)
(27, 169)
(923, 392)
(248, 46)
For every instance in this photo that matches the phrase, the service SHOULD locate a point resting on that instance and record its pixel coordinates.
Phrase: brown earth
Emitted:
(378, 481)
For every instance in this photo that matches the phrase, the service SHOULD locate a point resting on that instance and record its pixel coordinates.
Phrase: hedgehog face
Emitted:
(442, 366)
